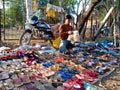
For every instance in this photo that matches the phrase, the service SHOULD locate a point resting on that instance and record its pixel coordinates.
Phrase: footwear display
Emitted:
(28, 68)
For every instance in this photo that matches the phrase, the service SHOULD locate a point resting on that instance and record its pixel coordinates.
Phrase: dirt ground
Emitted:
(111, 82)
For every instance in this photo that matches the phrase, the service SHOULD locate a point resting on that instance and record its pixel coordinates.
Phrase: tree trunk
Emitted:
(87, 14)
(28, 9)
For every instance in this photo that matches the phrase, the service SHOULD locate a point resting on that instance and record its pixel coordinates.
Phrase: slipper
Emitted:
(54, 67)
(48, 86)
(79, 68)
(22, 87)
(60, 88)
(39, 76)
(4, 75)
(39, 85)
(16, 81)
(15, 88)
(30, 87)
(25, 79)
(43, 81)
(8, 84)
(1, 69)
(2, 86)
(33, 77)
(12, 71)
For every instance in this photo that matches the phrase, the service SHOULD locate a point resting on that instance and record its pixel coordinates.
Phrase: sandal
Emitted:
(2, 86)
(16, 81)
(4, 75)
(48, 86)
(32, 77)
(22, 87)
(25, 79)
(60, 88)
(30, 87)
(8, 84)
(38, 85)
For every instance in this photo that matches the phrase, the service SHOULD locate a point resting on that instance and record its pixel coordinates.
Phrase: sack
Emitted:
(56, 42)
(70, 38)
(75, 37)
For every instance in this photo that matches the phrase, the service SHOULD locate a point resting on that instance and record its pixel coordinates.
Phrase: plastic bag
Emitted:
(89, 86)
(56, 42)
(75, 37)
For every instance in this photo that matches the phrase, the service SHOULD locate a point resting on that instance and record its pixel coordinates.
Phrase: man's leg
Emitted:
(69, 45)
(63, 44)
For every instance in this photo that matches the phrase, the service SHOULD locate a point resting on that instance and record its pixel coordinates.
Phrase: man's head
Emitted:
(68, 19)
(68, 16)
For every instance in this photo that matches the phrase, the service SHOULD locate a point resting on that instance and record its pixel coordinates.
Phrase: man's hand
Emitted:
(70, 32)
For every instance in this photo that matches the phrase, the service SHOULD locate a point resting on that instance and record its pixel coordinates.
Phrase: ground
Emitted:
(111, 82)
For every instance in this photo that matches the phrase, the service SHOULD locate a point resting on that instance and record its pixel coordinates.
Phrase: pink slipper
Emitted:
(60, 88)
(30, 87)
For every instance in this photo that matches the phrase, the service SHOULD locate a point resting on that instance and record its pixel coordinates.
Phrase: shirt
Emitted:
(63, 31)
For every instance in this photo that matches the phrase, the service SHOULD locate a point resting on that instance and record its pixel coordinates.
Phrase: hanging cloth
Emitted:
(51, 13)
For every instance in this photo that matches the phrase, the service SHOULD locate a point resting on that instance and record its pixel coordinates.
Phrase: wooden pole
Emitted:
(103, 23)
(91, 29)
(114, 34)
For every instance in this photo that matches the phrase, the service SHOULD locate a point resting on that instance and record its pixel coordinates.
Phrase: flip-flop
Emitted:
(2, 86)
(60, 88)
(8, 84)
(16, 81)
(23, 87)
(25, 79)
(32, 77)
(39, 85)
(4, 75)
(30, 87)
(48, 86)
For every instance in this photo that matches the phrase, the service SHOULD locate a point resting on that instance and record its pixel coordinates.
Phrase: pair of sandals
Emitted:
(54, 68)
(8, 84)
(18, 81)
(47, 72)
(43, 85)
(85, 77)
(102, 70)
(73, 84)
(29, 86)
